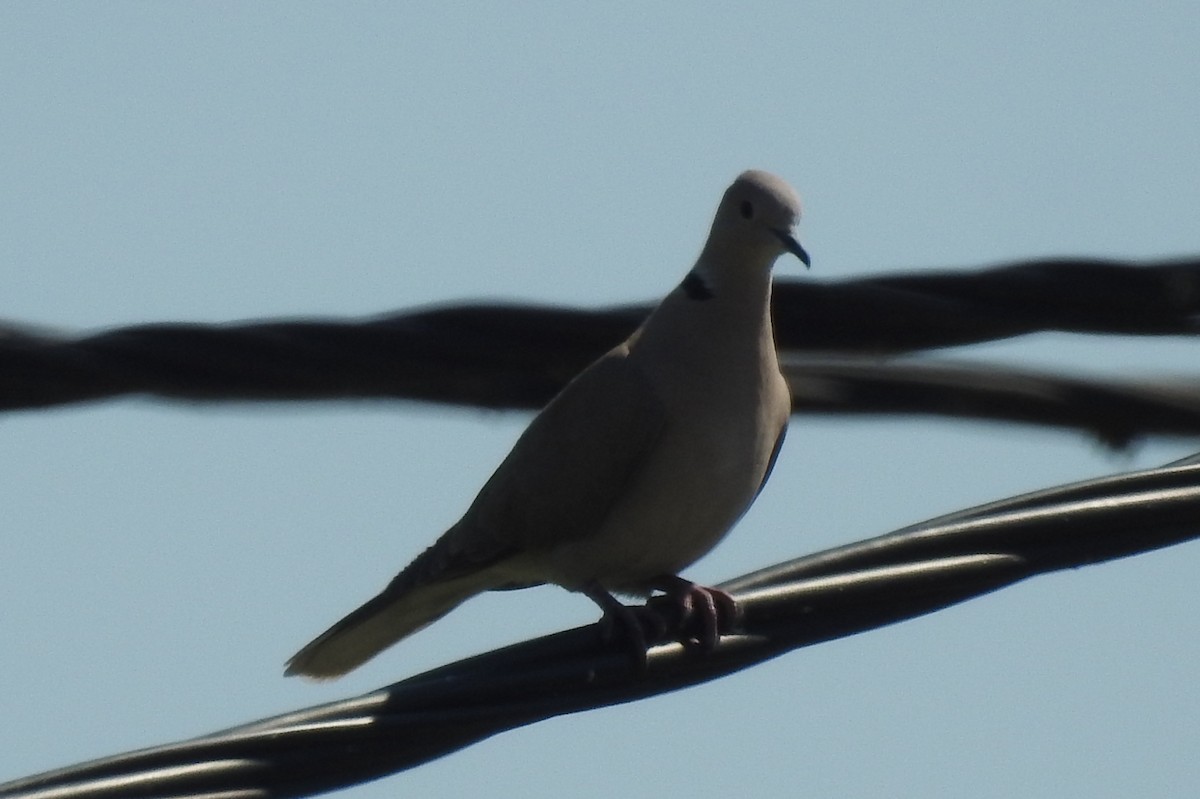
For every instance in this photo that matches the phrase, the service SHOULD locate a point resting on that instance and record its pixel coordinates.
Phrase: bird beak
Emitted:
(791, 245)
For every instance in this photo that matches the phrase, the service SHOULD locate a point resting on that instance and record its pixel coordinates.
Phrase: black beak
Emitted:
(791, 245)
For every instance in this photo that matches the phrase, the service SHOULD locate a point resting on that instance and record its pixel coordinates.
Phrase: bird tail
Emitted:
(381, 622)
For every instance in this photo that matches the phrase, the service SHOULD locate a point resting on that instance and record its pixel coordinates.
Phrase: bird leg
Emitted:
(633, 622)
(714, 611)
(684, 604)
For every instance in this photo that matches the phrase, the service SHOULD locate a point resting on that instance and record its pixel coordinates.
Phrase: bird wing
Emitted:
(562, 477)
(559, 482)
(774, 457)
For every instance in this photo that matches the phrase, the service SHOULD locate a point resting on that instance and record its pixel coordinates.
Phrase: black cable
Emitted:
(831, 594)
(511, 356)
(519, 356)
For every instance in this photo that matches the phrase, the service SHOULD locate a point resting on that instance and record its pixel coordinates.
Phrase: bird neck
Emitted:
(719, 313)
(738, 278)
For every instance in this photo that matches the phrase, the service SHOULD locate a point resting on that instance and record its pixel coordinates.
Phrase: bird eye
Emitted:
(747, 209)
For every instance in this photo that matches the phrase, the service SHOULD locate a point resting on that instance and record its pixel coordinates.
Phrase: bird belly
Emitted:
(701, 479)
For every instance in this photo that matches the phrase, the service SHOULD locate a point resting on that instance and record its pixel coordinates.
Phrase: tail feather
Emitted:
(378, 624)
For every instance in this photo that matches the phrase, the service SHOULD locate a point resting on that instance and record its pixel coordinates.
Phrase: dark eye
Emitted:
(747, 209)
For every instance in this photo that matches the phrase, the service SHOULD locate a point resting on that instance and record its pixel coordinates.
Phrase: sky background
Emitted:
(227, 161)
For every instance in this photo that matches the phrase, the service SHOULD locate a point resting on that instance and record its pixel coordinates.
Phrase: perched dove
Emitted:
(635, 470)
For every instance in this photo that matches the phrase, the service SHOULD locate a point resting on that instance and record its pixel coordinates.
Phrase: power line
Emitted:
(828, 595)
(518, 356)
(841, 343)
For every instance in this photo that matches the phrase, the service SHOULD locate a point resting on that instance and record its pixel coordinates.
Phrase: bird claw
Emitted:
(685, 608)
(637, 626)
(704, 612)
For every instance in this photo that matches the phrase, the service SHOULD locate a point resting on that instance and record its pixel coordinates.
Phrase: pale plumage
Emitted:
(636, 469)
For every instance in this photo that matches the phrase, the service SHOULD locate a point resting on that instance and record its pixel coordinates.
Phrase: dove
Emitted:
(635, 470)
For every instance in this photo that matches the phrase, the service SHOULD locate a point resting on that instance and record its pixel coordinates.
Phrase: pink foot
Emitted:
(712, 610)
(685, 605)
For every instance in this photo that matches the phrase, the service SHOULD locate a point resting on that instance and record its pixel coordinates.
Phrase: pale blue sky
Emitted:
(223, 161)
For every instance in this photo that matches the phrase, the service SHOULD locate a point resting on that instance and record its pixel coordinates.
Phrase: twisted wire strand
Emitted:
(518, 356)
(839, 592)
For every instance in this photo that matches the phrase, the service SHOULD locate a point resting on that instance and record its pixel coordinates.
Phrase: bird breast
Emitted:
(705, 471)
